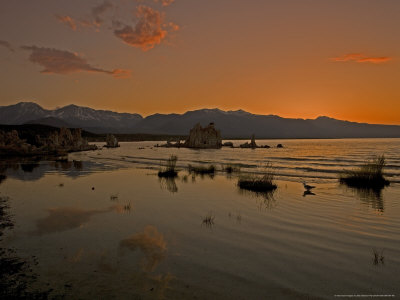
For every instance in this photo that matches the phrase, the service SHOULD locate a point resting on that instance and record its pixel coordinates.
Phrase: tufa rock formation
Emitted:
(56, 143)
(111, 141)
(252, 144)
(204, 138)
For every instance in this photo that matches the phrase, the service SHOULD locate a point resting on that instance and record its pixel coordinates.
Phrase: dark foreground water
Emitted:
(106, 227)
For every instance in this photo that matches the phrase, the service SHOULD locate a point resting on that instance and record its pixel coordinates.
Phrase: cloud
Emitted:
(56, 61)
(65, 218)
(361, 58)
(67, 20)
(99, 10)
(95, 21)
(147, 32)
(7, 45)
(165, 2)
(375, 60)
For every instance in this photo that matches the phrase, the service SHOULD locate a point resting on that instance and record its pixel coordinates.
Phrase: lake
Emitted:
(104, 226)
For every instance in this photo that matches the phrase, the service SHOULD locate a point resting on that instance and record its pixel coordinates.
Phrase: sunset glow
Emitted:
(299, 59)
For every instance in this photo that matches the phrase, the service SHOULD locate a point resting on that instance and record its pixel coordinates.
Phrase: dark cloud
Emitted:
(147, 32)
(7, 45)
(94, 21)
(56, 61)
(98, 11)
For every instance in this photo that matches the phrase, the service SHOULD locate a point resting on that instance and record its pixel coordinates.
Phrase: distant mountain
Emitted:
(76, 116)
(242, 124)
(233, 124)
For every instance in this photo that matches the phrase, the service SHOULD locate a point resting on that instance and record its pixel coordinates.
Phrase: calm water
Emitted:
(105, 226)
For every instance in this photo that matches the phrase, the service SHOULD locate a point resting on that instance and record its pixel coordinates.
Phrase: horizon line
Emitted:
(198, 109)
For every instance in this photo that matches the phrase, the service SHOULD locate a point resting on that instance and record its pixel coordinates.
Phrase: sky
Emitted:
(292, 58)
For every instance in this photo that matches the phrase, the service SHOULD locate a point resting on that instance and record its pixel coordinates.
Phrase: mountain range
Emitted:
(233, 124)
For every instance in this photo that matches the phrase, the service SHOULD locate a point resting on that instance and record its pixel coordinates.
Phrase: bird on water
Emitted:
(308, 187)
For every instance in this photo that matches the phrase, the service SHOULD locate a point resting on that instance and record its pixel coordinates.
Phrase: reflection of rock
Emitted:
(152, 245)
(111, 141)
(56, 143)
(62, 219)
(29, 167)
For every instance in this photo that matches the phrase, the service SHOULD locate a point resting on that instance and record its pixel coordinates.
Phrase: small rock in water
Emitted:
(92, 188)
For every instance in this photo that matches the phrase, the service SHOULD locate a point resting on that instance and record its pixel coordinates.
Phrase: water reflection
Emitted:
(2, 178)
(29, 167)
(34, 170)
(62, 219)
(372, 198)
(308, 193)
(17, 279)
(168, 183)
(151, 243)
(264, 200)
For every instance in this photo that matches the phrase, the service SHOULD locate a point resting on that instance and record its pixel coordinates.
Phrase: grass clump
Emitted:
(369, 175)
(202, 169)
(259, 184)
(208, 220)
(169, 170)
(231, 169)
(378, 257)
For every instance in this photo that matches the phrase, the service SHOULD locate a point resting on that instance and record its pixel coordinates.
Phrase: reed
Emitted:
(169, 170)
(208, 220)
(369, 175)
(259, 184)
(201, 169)
(230, 168)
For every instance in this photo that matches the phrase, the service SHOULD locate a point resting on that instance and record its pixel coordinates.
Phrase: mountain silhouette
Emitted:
(233, 124)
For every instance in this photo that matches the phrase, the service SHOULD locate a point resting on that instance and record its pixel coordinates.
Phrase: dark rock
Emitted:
(111, 141)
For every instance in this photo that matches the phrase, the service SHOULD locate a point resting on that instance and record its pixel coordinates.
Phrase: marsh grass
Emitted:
(259, 184)
(114, 197)
(169, 170)
(208, 220)
(201, 169)
(378, 257)
(230, 168)
(127, 207)
(369, 175)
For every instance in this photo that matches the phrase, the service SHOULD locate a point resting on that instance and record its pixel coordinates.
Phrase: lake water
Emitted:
(104, 226)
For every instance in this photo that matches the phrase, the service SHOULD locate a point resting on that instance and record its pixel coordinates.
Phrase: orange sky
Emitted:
(291, 58)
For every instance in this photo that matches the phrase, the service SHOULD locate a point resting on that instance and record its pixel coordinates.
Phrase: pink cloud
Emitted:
(148, 31)
(361, 58)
